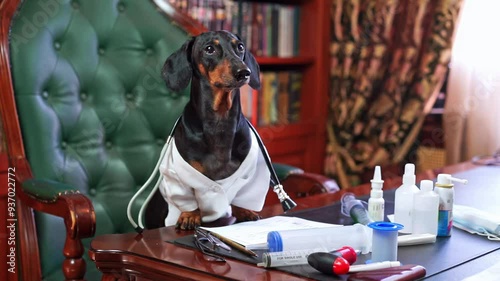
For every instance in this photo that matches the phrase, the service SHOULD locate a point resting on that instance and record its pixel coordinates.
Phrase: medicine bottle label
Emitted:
(376, 212)
(445, 222)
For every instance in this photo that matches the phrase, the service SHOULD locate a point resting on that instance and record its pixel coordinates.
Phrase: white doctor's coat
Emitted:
(185, 189)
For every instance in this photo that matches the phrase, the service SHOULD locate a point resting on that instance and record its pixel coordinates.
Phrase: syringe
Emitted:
(299, 257)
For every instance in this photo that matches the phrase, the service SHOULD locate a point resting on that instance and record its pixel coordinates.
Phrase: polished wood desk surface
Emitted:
(149, 257)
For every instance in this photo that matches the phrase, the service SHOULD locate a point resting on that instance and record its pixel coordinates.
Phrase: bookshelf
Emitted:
(301, 142)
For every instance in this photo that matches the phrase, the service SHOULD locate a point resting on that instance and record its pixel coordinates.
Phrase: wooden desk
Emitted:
(149, 257)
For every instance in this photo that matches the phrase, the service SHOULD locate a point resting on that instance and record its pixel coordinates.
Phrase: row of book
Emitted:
(277, 102)
(267, 29)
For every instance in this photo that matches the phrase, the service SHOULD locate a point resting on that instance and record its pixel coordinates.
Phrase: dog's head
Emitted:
(217, 56)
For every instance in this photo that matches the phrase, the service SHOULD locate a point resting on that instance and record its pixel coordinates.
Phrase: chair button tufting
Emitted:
(160, 142)
(121, 7)
(129, 96)
(64, 145)
(83, 96)
(109, 145)
(149, 51)
(45, 95)
(92, 191)
(57, 45)
(75, 5)
(101, 51)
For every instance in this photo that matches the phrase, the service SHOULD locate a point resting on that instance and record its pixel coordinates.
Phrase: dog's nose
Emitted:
(242, 74)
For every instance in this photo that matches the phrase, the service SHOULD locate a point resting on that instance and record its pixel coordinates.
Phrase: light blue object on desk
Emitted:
(385, 241)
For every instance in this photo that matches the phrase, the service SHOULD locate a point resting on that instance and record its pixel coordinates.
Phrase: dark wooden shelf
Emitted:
(279, 61)
(286, 130)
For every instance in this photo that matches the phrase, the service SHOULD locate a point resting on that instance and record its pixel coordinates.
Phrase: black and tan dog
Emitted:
(215, 163)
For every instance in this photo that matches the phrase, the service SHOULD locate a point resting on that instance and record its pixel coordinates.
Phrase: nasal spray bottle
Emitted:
(403, 202)
(444, 188)
(376, 203)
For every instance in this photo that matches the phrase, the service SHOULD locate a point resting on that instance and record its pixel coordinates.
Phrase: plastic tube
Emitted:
(385, 241)
(288, 258)
(350, 206)
(373, 266)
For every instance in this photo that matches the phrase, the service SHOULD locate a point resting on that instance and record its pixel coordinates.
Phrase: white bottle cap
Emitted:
(377, 183)
(409, 175)
(426, 185)
(446, 180)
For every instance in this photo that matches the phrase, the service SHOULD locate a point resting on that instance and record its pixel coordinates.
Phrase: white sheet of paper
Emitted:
(253, 234)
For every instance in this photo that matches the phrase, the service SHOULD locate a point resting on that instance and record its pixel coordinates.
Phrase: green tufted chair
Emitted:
(86, 114)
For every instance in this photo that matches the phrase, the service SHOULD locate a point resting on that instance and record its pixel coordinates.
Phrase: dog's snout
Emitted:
(242, 74)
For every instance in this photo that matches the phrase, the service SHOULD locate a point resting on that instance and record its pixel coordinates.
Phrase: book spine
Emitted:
(273, 99)
(283, 97)
(294, 96)
(275, 20)
(269, 31)
(282, 26)
(296, 30)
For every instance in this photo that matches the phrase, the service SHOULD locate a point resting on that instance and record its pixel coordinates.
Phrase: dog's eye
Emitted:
(241, 48)
(210, 50)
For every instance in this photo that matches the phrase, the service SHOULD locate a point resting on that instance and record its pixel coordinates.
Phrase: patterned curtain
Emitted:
(388, 61)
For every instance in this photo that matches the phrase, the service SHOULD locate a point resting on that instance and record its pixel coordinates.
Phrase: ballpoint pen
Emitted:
(234, 245)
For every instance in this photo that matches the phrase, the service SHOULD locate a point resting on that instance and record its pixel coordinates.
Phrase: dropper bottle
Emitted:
(376, 203)
(403, 201)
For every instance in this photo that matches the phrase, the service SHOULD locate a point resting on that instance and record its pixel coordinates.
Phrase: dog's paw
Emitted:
(242, 214)
(189, 220)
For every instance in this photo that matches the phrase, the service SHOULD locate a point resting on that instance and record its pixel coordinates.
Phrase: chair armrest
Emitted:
(63, 201)
(306, 184)
(298, 183)
(283, 170)
(46, 190)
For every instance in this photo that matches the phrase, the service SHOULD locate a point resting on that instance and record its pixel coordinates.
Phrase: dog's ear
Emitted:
(254, 68)
(177, 70)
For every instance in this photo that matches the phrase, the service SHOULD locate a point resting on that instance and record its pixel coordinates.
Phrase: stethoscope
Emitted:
(286, 202)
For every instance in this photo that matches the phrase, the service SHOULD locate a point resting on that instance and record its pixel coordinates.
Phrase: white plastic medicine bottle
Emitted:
(403, 201)
(425, 209)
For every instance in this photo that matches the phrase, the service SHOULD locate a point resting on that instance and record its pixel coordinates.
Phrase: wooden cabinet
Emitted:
(300, 143)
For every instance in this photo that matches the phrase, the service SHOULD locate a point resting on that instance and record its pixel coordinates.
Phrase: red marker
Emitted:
(334, 263)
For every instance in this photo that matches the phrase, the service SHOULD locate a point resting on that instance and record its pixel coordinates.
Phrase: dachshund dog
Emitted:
(214, 166)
